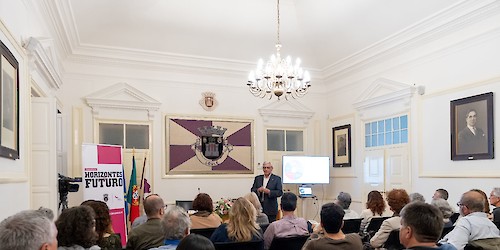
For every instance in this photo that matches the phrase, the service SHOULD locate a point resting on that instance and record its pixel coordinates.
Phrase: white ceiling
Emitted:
(321, 32)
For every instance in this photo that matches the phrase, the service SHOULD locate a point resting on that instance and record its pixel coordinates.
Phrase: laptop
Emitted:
(305, 192)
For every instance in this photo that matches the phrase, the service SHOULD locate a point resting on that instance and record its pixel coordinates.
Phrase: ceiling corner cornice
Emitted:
(430, 29)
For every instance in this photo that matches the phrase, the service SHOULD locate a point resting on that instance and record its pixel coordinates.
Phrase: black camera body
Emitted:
(66, 185)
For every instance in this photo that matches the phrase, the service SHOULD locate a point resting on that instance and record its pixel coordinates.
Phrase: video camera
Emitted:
(66, 186)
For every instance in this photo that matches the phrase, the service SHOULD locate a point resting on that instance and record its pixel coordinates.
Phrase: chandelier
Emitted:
(279, 76)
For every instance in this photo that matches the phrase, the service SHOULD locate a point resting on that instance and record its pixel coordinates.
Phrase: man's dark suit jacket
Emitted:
(468, 143)
(269, 201)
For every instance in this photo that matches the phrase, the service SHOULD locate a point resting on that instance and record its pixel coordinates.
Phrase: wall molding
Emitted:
(122, 96)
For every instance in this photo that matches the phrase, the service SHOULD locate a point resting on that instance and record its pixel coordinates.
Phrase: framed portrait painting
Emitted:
(472, 127)
(342, 146)
(9, 104)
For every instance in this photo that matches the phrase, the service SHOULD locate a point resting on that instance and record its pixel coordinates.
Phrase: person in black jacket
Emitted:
(268, 188)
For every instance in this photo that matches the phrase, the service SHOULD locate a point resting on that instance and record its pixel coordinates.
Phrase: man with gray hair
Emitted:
(176, 225)
(28, 230)
(417, 197)
(495, 201)
(344, 200)
(474, 225)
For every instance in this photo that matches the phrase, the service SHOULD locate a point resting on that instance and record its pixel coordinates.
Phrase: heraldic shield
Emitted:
(212, 147)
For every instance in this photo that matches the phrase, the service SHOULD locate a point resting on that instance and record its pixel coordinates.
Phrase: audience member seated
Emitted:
(495, 201)
(149, 234)
(30, 229)
(204, 217)
(241, 225)
(176, 226)
(485, 201)
(375, 207)
(290, 225)
(107, 239)
(195, 242)
(75, 228)
(440, 193)
(416, 197)
(474, 224)
(344, 201)
(397, 199)
(261, 216)
(421, 227)
(445, 209)
(332, 217)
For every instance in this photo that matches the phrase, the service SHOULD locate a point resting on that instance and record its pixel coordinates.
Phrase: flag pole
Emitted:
(143, 168)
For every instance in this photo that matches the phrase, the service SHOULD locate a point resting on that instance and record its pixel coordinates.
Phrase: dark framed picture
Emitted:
(342, 146)
(472, 127)
(9, 104)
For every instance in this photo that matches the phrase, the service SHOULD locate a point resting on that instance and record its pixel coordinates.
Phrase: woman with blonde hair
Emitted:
(241, 226)
(261, 217)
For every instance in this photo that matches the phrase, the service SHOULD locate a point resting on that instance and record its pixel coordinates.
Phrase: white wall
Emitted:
(461, 64)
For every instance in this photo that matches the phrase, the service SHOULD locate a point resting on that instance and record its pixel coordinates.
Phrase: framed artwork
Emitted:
(342, 146)
(208, 146)
(9, 104)
(472, 127)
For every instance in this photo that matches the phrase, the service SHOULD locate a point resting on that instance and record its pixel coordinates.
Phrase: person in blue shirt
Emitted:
(176, 225)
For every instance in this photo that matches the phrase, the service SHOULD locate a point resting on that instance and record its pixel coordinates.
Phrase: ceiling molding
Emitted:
(42, 63)
(122, 96)
(442, 24)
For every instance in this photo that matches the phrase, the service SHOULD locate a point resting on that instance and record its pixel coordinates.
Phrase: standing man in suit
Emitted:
(268, 188)
(471, 139)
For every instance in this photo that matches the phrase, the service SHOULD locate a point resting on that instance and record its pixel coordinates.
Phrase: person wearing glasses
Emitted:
(150, 234)
(495, 201)
(474, 224)
(268, 188)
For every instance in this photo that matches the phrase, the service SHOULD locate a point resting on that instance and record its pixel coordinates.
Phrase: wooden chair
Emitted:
(392, 243)
(207, 232)
(351, 226)
(247, 245)
(289, 243)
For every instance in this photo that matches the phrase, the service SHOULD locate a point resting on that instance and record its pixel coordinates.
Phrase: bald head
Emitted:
(153, 206)
(473, 201)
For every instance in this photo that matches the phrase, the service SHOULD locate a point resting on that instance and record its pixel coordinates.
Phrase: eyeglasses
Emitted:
(459, 204)
(267, 167)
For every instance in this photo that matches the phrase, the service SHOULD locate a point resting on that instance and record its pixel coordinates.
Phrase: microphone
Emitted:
(198, 190)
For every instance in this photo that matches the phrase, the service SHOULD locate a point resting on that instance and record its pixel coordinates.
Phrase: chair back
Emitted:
(454, 217)
(484, 244)
(351, 226)
(446, 230)
(289, 243)
(246, 245)
(375, 224)
(392, 243)
(207, 232)
(264, 227)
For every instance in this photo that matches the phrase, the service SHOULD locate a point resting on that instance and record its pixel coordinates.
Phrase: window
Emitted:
(127, 135)
(387, 132)
(285, 140)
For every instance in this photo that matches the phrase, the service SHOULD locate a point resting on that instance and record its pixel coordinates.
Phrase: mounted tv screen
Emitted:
(306, 169)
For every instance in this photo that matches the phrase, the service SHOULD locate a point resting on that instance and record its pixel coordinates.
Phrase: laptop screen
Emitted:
(305, 191)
